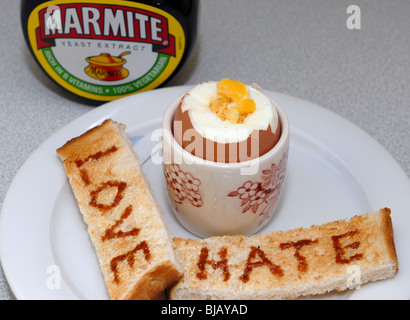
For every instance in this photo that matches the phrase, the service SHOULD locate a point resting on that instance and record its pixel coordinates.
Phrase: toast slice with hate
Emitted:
(125, 223)
(285, 265)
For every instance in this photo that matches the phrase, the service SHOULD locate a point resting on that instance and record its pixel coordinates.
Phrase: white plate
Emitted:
(335, 171)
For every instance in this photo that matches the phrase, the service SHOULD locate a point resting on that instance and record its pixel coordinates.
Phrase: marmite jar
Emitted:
(103, 50)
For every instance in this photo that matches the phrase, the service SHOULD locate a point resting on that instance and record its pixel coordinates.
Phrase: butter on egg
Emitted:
(226, 121)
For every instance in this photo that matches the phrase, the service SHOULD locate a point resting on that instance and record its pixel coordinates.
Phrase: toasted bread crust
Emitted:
(387, 230)
(288, 264)
(124, 221)
(153, 283)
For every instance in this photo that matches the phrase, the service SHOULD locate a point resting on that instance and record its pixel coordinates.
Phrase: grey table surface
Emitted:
(298, 47)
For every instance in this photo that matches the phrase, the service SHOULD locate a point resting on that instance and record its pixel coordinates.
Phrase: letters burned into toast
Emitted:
(124, 221)
(288, 264)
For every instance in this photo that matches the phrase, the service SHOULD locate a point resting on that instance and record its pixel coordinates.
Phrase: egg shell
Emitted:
(257, 144)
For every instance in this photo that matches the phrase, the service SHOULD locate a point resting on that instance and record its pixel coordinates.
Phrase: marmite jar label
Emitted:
(105, 51)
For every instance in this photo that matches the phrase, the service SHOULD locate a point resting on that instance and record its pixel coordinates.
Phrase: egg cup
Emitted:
(212, 198)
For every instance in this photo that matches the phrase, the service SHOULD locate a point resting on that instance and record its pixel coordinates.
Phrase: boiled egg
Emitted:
(226, 121)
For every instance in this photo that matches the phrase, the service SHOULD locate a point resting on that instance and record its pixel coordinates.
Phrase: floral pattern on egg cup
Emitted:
(182, 185)
(262, 194)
